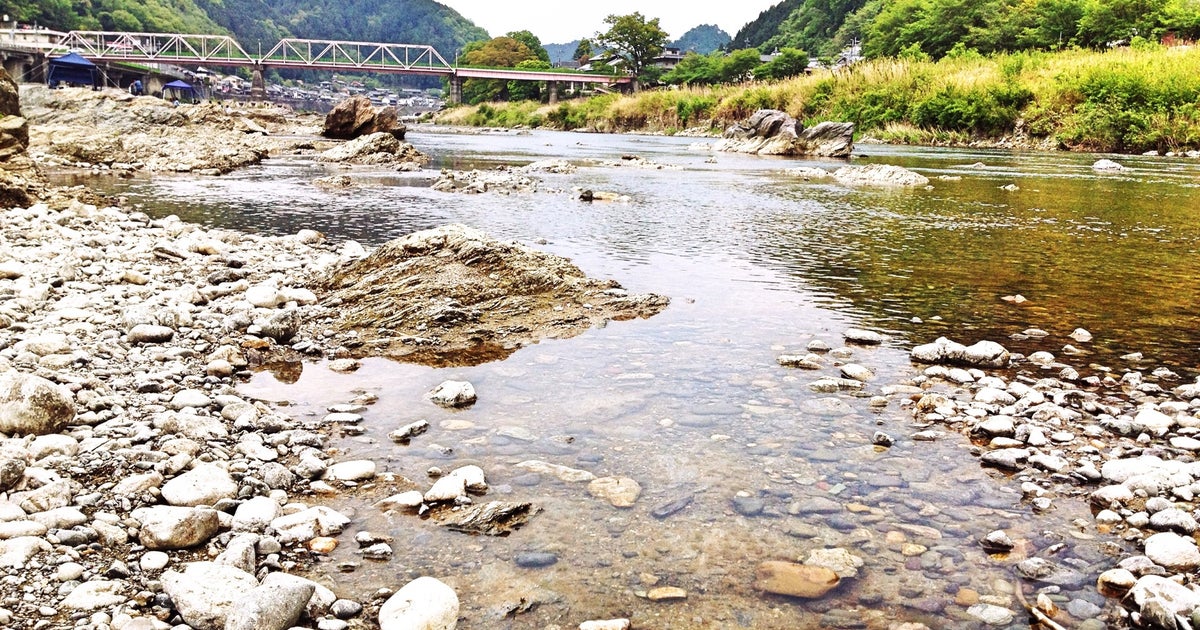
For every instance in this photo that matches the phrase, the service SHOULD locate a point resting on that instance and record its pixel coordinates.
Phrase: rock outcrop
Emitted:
(451, 295)
(772, 132)
(879, 175)
(20, 181)
(114, 130)
(356, 116)
(375, 149)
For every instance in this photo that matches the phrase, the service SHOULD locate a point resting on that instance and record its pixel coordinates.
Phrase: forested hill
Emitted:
(935, 27)
(264, 21)
(702, 39)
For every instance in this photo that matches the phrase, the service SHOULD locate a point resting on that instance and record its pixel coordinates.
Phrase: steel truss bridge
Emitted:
(300, 54)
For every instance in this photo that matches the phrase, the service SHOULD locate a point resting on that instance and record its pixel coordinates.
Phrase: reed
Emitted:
(1126, 100)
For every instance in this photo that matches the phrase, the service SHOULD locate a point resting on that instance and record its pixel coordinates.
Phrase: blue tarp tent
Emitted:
(72, 68)
(180, 89)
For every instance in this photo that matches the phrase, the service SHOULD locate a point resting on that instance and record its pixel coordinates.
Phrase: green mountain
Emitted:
(938, 27)
(255, 22)
(561, 52)
(702, 39)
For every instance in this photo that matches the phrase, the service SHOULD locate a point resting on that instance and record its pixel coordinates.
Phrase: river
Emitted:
(691, 403)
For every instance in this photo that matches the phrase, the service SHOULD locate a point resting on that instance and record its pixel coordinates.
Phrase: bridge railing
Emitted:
(200, 49)
(324, 54)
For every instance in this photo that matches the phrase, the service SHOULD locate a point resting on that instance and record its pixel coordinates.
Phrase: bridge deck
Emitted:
(303, 54)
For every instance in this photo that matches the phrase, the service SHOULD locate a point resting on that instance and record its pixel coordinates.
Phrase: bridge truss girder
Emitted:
(343, 55)
(220, 50)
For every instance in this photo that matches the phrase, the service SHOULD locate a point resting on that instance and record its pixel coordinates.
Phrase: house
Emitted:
(669, 58)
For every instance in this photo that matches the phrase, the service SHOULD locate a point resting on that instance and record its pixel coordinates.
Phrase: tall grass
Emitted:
(1122, 100)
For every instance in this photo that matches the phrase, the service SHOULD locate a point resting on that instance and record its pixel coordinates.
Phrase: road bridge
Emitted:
(307, 54)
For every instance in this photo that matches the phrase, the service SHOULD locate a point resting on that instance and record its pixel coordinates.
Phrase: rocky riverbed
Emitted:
(141, 490)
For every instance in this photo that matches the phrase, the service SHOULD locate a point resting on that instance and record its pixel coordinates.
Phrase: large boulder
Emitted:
(32, 405)
(14, 129)
(356, 116)
(423, 604)
(376, 148)
(207, 593)
(772, 132)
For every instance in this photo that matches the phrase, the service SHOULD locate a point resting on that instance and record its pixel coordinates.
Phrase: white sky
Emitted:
(559, 21)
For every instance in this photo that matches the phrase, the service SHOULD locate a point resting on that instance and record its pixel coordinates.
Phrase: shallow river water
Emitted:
(691, 403)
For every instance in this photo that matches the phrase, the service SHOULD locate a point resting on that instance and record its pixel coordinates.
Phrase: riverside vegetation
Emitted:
(1128, 100)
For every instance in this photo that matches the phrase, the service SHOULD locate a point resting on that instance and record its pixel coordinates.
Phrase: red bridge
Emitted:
(308, 54)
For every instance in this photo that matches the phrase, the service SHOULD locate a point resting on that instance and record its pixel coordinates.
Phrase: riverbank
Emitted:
(147, 322)
(1125, 100)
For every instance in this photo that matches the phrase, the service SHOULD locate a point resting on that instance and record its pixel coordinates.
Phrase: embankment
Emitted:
(1124, 100)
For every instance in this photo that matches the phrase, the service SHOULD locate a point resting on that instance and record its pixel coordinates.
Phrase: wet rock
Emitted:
(535, 559)
(795, 580)
(308, 524)
(1042, 570)
(804, 362)
(857, 372)
(749, 506)
(606, 624)
(1107, 165)
(863, 337)
(882, 439)
(772, 132)
(943, 350)
(357, 470)
(206, 593)
(674, 506)
(563, 473)
(621, 492)
(495, 518)
(425, 603)
(666, 594)
(838, 560)
(448, 488)
(991, 615)
(409, 431)
(1007, 458)
(282, 326)
(374, 149)
(356, 116)
(453, 394)
(997, 542)
(879, 175)
(437, 285)
(30, 404)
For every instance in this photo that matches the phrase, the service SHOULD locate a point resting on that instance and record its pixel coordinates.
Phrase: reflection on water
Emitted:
(691, 403)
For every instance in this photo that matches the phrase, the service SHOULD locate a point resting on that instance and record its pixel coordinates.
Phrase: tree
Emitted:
(531, 42)
(695, 69)
(633, 39)
(528, 90)
(739, 64)
(500, 52)
(789, 62)
(583, 51)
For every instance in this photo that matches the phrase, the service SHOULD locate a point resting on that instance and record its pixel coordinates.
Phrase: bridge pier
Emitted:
(552, 88)
(456, 90)
(258, 86)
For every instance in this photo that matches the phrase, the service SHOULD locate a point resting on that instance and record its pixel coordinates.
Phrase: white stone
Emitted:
(472, 477)
(93, 595)
(205, 593)
(308, 524)
(410, 500)
(356, 470)
(255, 514)
(206, 484)
(190, 398)
(1152, 421)
(168, 527)
(447, 488)
(423, 604)
(1172, 551)
(33, 405)
(453, 394)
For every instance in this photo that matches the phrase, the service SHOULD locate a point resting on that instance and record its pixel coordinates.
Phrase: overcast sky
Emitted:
(559, 21)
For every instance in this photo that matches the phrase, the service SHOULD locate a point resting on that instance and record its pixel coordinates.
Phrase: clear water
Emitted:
(692, 403)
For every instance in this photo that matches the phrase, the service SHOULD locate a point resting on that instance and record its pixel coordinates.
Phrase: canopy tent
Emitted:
(72, 68)
(180, 89)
